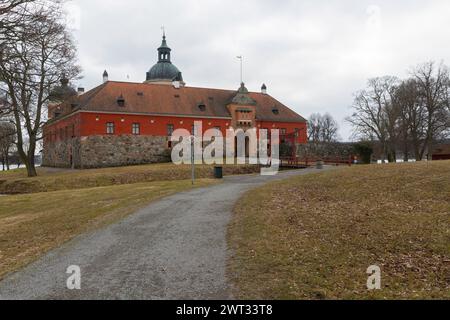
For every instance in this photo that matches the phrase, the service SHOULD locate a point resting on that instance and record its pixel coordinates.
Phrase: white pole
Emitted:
(192, 161)
(241, 58)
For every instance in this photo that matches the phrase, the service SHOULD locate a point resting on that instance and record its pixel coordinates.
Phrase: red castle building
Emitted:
(123, 123)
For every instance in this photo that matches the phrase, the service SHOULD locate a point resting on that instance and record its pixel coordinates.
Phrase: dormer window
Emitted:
(275, 111)
(202, 106)
(121, 101)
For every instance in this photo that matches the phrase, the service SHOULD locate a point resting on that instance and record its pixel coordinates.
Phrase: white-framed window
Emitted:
(136, 128)
(110, 127)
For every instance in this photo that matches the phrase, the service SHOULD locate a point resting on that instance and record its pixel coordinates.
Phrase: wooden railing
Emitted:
(298, 162)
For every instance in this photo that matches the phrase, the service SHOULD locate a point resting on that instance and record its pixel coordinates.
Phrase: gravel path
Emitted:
(174, 248)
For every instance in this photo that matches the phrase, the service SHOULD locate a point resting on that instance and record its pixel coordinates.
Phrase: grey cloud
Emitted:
(312, 55)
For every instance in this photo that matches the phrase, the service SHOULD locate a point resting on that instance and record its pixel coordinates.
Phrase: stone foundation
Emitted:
(62, 154)
(106, 151)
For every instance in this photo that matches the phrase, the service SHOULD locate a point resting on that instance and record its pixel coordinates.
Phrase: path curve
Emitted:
(174, 248)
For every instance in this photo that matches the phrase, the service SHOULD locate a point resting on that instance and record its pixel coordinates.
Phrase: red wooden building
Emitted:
(122, 123)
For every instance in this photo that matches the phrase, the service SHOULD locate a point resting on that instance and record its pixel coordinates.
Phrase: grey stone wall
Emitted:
(111, 151)
(106, 151)
(62, 154)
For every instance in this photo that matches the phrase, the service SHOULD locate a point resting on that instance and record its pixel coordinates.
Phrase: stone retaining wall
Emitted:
(106, 151)
(62, 154)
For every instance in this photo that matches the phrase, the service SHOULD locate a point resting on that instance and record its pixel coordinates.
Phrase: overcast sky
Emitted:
(312, 56)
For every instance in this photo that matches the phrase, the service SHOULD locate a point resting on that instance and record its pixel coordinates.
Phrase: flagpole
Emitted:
(241, 58)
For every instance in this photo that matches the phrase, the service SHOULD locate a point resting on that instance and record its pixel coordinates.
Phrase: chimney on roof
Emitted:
(264, 89)
(80, 91)
(105, 76)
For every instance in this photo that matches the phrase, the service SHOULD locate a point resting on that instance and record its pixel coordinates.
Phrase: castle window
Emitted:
(136, 128)
(110, 128)
(169, 130)
(121, 101)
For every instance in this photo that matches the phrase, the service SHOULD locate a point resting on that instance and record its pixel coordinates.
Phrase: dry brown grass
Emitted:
(32, 224)
(16, 182)
(314, 237)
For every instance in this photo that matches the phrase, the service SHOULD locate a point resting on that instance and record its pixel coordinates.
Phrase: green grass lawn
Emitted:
(313, 237)
(32, 224)
(43, 212)
(48, 179)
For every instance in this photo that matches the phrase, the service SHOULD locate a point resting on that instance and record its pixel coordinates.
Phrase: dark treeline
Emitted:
(406, 117)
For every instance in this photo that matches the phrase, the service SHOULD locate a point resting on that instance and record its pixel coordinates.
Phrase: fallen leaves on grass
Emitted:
(313, 237)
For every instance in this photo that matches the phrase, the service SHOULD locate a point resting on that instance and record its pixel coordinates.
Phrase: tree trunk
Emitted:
(31, 168)
(7, 158)
(430, 150)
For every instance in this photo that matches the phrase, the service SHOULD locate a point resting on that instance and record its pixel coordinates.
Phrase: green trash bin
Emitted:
(319, 164)
(218, 172)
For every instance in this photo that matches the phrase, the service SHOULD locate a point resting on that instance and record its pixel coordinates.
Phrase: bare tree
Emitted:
(9, 5)
(322, 135)
(32, 62)
(376, 115)
(330, 129)
(322, 128)
(7, 141)
(413, 119)
(408, 115)
(10, 20)
(314, 127)
(433, 85)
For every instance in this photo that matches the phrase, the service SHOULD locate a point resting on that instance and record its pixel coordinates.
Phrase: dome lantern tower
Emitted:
(164, 72)
(164, 51)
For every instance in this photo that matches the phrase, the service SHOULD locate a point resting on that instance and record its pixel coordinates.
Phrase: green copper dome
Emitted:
(164, 70)
(62, 92)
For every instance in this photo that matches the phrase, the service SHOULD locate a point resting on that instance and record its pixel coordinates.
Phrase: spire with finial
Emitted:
(105, 76)
(164, 50)
(264, 89)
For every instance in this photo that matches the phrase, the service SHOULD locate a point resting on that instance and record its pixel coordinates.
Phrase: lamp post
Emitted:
(192, 160)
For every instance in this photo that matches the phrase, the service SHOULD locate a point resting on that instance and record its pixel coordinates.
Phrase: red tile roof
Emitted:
(168, 100)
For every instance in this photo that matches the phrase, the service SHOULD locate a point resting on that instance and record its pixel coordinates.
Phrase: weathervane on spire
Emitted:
(241, 58)
(164, 31)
